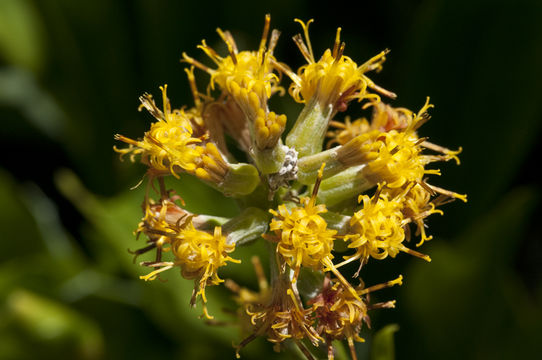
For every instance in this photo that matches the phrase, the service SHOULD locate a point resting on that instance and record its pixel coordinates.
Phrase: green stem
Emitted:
(309, 166)
(307, 135)
(345, 185)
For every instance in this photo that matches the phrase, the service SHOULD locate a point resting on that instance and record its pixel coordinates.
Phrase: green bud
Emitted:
(241, 179)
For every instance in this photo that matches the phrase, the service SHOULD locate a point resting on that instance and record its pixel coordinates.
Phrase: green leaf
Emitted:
(247, 226)
(21, 89)
(382, 346)
(49, 321)
(13, 214)
(21, 31)
(168, 303)
(465, 280)
(310, 283)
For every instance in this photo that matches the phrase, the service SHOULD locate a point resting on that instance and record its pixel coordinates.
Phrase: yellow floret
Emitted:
(169, 145)
(335, 79)
(199, 255)
(377, 229)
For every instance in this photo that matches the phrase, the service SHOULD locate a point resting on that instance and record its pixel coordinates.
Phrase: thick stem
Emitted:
(307, 135)
(308, 166)
(345, 185)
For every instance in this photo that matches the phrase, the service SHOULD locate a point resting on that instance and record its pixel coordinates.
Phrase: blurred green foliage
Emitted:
(70, 76)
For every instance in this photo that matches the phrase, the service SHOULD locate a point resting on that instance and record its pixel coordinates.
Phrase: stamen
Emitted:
(193, 87)
(307, 39)
(337, 42)
(449, 193)
(387, 284)
(227, 40)
(265, 33)
(416, 254)
(382, 305)
(154, 274)
(303, 48)
(340, 53)
(192, 61)
(352, 348)
(275, 34)
(317, 184)
(138, 252)
(304, 350)
(243, 343)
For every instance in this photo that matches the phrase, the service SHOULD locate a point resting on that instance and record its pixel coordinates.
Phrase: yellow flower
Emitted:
(384, 118)
(335, 79)
(304, 237)
(282, 318)
(391, 156)
(416, 206)
(346, 131)
(199, 254)
(309, 203)
(160, 223)
(250, 78)
(340, 315)
(302, 234)
(169, 145)
(398, 160)
(377, 230)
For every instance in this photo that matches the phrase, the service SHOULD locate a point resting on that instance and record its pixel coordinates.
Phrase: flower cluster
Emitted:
(361, 197)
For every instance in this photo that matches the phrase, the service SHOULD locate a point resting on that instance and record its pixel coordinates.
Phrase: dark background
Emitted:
(70, 76)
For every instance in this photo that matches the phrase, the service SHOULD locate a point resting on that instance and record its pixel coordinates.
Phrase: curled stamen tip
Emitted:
(462, 197)
(304, 24)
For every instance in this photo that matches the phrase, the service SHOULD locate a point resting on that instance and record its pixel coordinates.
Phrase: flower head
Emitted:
(283, 317)
(292, 194)
(302, 234)
(339, 315)
(377, 230)
(199, 254)
(250, 78)
(335, 79)
(169, 145)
